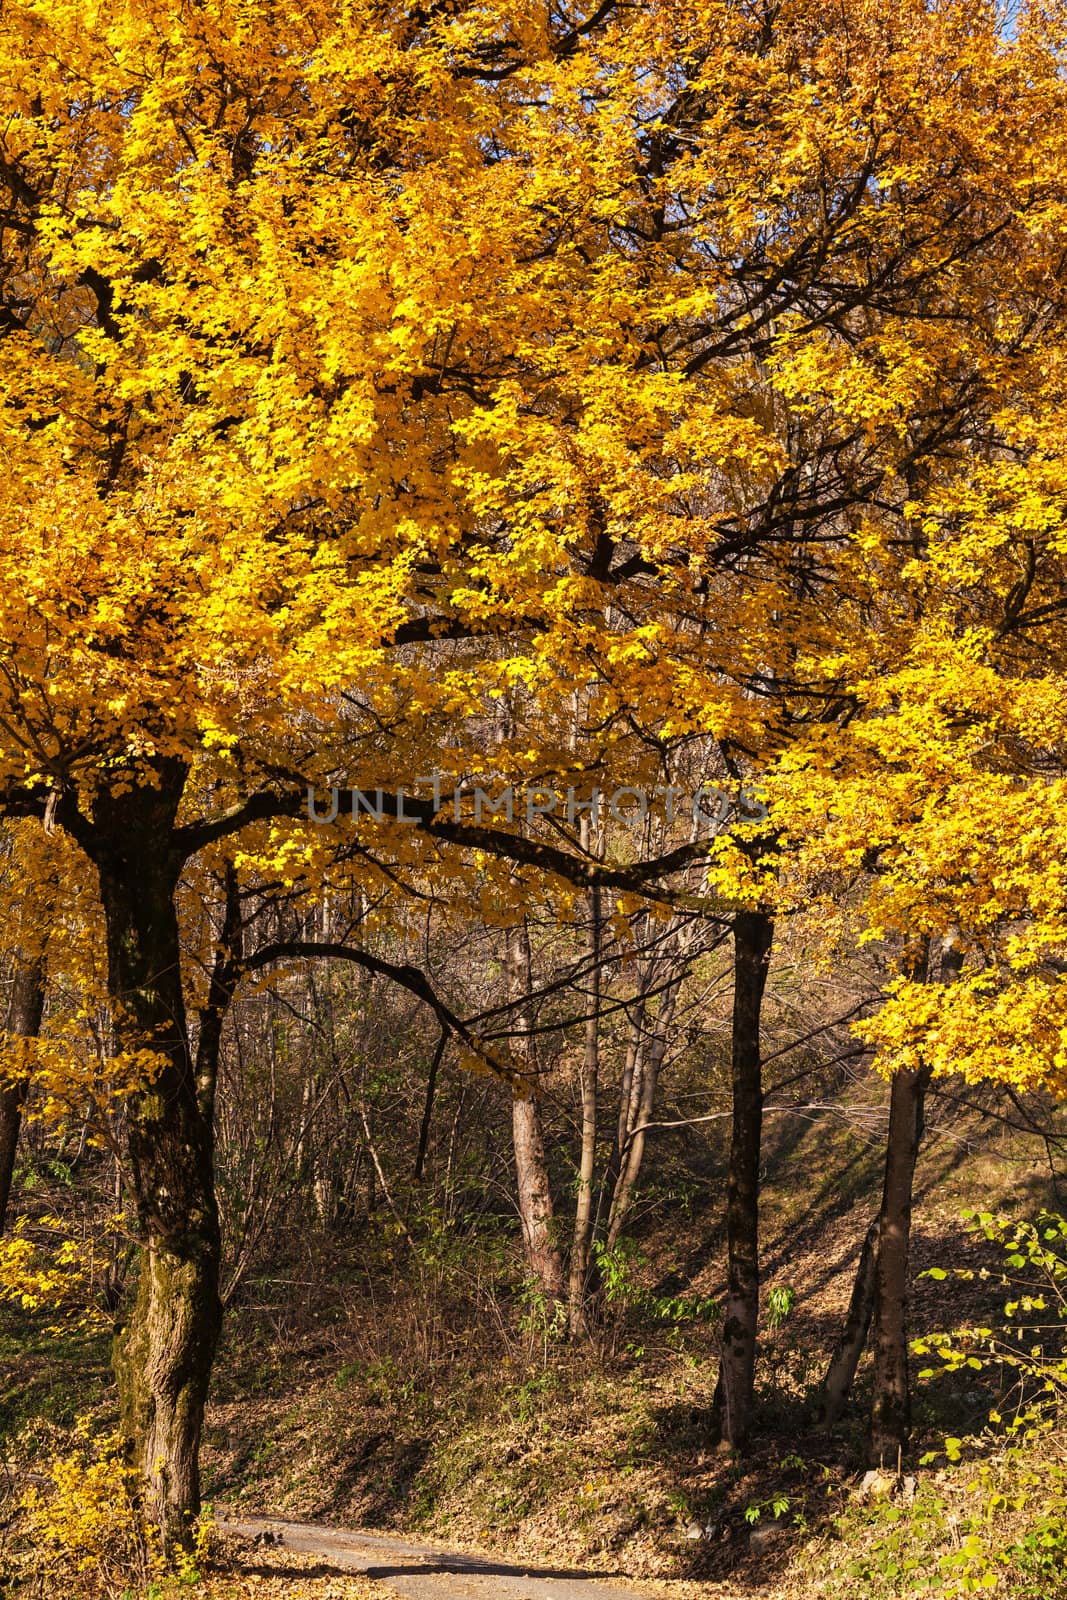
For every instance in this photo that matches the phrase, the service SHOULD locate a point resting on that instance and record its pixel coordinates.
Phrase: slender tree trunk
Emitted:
(534, 1193)
(578, 1280)
(630, 1171)
(24, 1021)
(891, 1406)
(163, 1355)
(891, 1403)
(631, 1071)
(629, 1098)
(753, 934)
(837, 1384)
(225, 975)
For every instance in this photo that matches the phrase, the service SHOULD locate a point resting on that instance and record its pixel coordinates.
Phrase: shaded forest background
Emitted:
(401, 1347)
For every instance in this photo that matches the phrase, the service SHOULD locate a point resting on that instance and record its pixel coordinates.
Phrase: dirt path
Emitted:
(423, 1572)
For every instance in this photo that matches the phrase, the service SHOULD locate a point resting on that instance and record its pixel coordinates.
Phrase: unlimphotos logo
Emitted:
(707, 803)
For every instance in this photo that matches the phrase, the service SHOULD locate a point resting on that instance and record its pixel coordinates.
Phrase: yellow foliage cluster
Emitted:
(87, 1532)
(50, 1270)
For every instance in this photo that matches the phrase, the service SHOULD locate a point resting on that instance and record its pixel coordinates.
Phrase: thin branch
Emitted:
(431, 1085)
(408, 977)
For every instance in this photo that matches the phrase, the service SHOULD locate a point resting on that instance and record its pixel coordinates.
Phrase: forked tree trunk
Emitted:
(163, 1355)
(648, 1062)
(753, 935)
(837, 1385)
(629, 1097)
(24, 1021)
(631, 1070)
(533, 1190)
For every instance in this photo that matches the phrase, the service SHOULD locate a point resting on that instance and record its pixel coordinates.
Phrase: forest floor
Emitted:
(398, 1413)
(426, 1401)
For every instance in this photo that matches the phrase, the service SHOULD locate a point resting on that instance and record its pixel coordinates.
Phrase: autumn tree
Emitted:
(367, 364)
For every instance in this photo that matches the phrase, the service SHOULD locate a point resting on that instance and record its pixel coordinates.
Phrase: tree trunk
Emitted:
(837, 1384)
(578, 1281)
(753, 934)
(629, 1099)
(163, 1356)
(891, 1406)
(631, 1071)
(648, 1071)
(534, 1193)
(225, 975)
(24, 1021)
(535, 1200)
(891, 1402)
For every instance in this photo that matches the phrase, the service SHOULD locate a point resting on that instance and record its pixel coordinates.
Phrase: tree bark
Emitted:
(837, 1384)
(629, 1097)
(578, 1277)
(533, 1190)
(536, 1210)
(24, 1021)
(753, 935)
(891, 1402)
(163, 1355)
(631, 1071)
(891, 1405)
(225, 975)
(647, 1070)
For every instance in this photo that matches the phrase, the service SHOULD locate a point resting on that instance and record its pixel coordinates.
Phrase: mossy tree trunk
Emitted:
(163, 1355)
